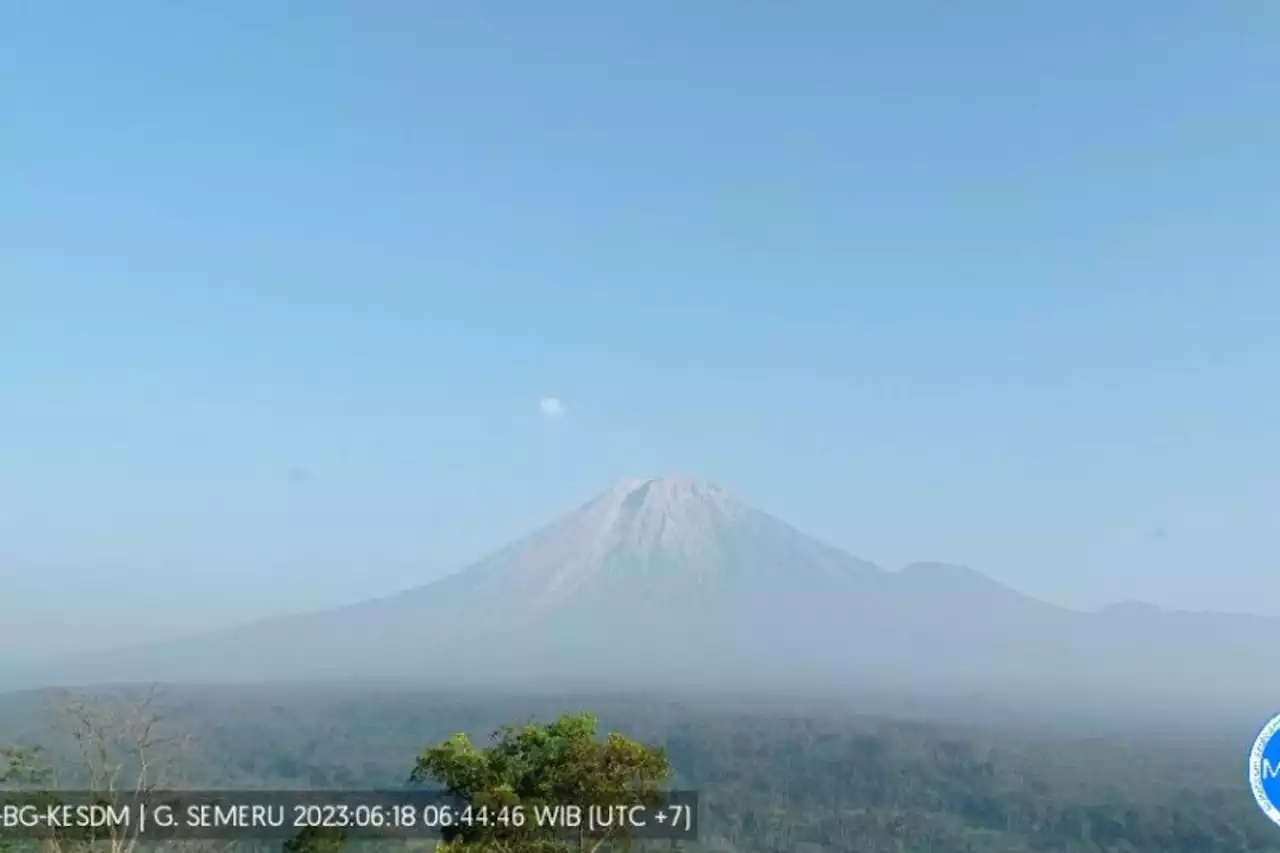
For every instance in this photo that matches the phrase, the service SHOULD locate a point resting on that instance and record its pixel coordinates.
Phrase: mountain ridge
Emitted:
(673, 580)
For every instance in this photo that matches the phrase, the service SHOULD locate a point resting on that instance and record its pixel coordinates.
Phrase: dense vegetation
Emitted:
(779, 780)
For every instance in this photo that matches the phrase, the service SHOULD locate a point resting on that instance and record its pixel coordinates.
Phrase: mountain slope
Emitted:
(650, 576)
(674, 582)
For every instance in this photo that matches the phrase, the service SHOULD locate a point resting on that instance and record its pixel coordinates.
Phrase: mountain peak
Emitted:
(674, 519)
(672, 484)
(668, 532)
(672, 511)
(670, 581)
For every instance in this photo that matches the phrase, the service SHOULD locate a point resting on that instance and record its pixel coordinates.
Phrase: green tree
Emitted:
(537, 766)
(316, 840)
(22, 770)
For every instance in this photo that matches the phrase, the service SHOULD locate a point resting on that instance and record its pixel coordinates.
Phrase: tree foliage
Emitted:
(802, 779)
(535, 766)
(316, 840)
(22, 768)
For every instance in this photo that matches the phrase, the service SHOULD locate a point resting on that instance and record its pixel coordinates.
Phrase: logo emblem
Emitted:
(1264, 770)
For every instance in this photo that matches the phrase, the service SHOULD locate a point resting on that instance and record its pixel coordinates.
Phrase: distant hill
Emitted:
(673, 582)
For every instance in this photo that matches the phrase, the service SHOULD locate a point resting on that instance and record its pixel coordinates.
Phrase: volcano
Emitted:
(659, 577)
(674, 582)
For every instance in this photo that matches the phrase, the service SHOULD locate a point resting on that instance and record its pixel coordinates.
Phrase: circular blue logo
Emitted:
(1264, 770)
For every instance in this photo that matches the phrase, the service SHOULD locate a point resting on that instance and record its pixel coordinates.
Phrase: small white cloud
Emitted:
(551, 407)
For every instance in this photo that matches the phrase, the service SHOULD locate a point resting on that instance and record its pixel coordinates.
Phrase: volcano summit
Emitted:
(673, 581)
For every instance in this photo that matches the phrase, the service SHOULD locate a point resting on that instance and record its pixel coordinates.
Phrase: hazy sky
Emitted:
(304, 302)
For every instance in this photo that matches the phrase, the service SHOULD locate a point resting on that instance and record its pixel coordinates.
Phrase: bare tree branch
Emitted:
(127, 748)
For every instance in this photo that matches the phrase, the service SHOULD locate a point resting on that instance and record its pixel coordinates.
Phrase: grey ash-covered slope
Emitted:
(652, 576)
(674, 582)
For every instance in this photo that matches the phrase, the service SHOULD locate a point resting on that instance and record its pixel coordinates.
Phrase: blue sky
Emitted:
(283, 286)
